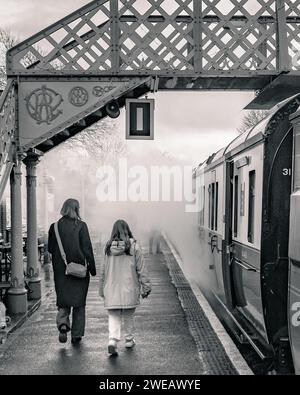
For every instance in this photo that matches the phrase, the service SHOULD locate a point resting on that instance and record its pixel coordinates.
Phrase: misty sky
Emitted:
(188, 125)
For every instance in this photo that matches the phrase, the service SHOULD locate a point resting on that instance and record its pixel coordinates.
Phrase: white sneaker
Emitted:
(112, 347)
(129, 343)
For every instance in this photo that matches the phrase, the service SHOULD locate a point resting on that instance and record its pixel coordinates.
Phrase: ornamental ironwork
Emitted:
(43, 105)
(78, 96)
(99, 91)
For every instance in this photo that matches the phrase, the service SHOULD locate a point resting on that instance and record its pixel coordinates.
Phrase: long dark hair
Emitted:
(120, 232)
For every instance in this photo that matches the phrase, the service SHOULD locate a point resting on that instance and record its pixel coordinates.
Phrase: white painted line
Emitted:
(230, 348)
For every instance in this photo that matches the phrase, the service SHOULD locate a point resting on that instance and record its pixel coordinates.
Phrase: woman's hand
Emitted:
(145, 294)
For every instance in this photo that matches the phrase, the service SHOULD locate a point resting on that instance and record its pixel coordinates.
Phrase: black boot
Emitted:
(63, 334)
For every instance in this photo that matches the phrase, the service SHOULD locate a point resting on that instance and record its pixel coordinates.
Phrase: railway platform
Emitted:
(176, 334)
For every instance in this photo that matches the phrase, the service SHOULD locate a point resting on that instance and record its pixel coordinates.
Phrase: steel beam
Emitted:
(197, 33)
(115, 36)
(283, 87)
(283, 60)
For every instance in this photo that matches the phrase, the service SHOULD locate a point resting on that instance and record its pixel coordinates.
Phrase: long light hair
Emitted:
(120, 232)
(70, 209)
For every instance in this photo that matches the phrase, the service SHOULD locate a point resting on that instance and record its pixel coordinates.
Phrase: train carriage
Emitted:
(244, 192)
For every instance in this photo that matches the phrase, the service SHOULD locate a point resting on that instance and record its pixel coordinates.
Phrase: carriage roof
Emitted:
(260, 128)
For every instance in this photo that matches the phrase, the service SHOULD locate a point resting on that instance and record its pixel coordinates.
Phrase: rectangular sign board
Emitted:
(140, 119)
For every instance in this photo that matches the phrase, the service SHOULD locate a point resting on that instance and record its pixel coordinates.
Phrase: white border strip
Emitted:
(230, 348)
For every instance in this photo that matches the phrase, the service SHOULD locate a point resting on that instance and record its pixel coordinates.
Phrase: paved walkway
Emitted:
(164, 342)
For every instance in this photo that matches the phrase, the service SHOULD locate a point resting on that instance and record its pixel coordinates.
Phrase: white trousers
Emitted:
(115, 318)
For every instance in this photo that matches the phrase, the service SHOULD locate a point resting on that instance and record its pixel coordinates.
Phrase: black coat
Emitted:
(71, 291)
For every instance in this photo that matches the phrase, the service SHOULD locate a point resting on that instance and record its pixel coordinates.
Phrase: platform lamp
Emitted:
(113, 109)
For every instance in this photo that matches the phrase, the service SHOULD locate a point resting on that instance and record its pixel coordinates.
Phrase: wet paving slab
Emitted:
(165, 344)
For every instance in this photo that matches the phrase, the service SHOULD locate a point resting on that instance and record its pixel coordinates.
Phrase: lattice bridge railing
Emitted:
(162, 37)
(7, 133)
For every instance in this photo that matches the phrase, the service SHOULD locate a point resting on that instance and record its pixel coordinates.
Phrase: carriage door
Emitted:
(227, 249)
(215, 241)
(245, 261)
(294, 256)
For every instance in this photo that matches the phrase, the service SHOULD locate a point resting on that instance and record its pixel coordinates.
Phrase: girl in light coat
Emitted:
(123, 279)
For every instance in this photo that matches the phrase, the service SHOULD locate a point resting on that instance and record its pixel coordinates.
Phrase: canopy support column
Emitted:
(17, 294)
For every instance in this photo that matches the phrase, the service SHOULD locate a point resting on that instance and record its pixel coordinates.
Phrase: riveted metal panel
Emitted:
(47, 108)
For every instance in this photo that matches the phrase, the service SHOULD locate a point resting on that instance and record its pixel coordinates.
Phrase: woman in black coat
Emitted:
(71, 292)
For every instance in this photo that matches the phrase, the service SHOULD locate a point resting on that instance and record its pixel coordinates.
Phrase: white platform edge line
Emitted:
(230, 348)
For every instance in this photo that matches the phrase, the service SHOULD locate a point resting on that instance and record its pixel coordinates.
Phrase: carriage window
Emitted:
(217, 204)
(202, 206)
(213, 205)
(236, 194)
(209, 205)
(251, 206)
(213, 195)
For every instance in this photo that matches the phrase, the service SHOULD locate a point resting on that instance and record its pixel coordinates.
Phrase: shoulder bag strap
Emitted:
(61, 248)
(134, 248)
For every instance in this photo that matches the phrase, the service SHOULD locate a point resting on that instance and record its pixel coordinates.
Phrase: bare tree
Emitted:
(251, 119)
(102, 142)
(7, 41)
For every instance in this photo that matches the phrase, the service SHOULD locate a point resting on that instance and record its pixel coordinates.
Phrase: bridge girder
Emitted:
(180, 38)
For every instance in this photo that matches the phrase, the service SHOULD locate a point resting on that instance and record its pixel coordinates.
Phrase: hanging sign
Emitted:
(140, 119)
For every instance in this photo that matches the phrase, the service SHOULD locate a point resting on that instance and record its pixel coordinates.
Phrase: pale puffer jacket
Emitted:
(123, 278)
